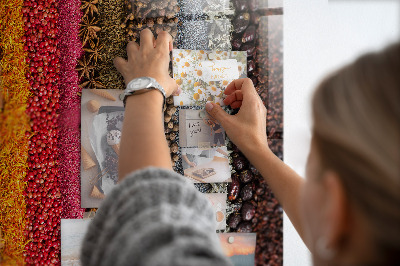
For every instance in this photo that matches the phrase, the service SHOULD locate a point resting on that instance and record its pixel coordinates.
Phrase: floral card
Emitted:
(204, 75)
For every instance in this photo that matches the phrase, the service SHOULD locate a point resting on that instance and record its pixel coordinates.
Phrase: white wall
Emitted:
(319, 36)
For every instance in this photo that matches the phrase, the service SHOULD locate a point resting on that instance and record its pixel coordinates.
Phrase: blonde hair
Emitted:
(356, 114)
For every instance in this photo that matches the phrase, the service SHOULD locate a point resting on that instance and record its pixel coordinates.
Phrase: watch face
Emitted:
(140, 83)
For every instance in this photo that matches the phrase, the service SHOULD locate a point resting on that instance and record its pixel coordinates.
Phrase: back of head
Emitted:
(356, 115)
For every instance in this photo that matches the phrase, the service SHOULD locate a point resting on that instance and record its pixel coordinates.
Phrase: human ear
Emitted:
(336, 211)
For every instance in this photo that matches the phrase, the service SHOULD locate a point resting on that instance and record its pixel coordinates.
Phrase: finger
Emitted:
(236, 105)
(177, 92)
(146, 39)
(235, 96)
(217, 113)
(131, 48)
(245, 85)
(120, 64)
(163, 42)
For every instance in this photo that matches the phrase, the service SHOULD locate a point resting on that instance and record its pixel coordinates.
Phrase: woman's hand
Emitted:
(247, 129)
(192, 164)
(150, 59)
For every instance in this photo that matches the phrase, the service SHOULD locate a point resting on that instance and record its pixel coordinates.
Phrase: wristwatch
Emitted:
(141, 85)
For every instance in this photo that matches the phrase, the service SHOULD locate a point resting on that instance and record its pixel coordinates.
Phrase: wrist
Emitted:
(142, 85)
(256, 149)
(152, 99)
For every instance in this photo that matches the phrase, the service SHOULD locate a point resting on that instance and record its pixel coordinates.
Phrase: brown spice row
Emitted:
(92, 47)
(112, 12)
(257, 209)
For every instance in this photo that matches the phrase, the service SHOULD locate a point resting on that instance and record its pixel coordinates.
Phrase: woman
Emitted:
(346, 211)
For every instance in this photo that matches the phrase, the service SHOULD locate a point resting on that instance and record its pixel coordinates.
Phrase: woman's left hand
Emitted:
(150, 59)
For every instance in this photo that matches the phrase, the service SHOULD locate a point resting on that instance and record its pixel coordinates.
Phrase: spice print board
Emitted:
(204, 75)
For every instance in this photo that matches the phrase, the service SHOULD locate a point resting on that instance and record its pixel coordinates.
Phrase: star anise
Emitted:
(92, 83)
(94, 51)
(90, 7)
(88, 29)
(85, 68)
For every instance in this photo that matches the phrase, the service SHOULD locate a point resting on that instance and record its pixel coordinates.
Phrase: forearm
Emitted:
(143, 141)
(185, 158)
(285, 183)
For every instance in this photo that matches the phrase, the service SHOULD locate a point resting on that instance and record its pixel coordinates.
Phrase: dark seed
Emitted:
(241, 22)
(253, 4)
(240, 5)
(247, 192)
(236, 43)
(249, 48)
(244, 227)
(254, 18)
(249, 34)
(248, 211)
(239, 162)
(234, 187)
(246, 176)
(234, 220)
(251, 66)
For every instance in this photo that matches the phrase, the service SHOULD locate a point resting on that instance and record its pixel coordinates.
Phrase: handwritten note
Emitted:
(194, 128)
(217, 70)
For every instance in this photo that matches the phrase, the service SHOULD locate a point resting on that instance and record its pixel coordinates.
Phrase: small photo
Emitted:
(72, 233)
(102, 114)
(239, 247)
(206, 165)
(198, 129)
(218, 201)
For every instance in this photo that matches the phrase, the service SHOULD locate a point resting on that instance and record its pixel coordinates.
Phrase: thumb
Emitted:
(218, 113)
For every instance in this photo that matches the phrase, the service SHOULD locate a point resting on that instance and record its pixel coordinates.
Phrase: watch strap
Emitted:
(154, 85)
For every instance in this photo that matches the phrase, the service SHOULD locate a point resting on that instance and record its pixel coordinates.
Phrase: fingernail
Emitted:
(179, 90)
(209, 106)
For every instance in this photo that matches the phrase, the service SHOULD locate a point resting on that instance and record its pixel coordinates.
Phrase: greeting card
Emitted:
(204, 75)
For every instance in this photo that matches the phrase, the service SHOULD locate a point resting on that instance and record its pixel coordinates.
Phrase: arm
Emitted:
(143, 142)
(184, 157)
(222, 152)
(247, 129)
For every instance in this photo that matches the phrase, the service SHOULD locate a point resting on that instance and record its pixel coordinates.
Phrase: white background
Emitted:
(320, 36)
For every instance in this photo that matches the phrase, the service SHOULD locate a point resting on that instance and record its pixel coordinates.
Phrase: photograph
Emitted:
(218, 201)
(204, 75)
(239, 247)
(102, 114)
(207, 34)
(206, 165)
(198, 129)
(72, 234)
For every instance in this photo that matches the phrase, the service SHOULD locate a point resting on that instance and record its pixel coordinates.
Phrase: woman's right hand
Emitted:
(247, 129)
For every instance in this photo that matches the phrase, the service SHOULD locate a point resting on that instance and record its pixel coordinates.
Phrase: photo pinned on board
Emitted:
(198, 129)
(239, 247)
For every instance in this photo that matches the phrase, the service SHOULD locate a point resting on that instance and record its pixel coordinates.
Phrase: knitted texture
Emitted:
(153, 217)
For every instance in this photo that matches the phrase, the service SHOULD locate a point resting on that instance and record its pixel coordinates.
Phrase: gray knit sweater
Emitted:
(153, 217)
